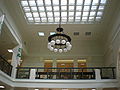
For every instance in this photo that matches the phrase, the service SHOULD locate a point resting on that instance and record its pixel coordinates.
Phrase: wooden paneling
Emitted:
(48, 65)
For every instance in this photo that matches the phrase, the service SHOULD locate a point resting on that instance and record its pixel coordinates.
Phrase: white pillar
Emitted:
(32, 73)
(97, 74)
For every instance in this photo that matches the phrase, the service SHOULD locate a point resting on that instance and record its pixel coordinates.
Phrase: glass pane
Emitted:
(77, 17)
(78, 8)
(34, 9)
(103, 1)
(41, 9)
(56, 14)
(44, 19)
(101, 7)
(87, 2)
(94, 8)
(57, 19)
(85, 18)
(55, 2)
(95, 2)
(71, 8)
(71, 2)
(35, 14)
(64, 14)
(79, 2)
(99, 13)
(39, 2)
(42, 14)
(30, 19)
(85, 13)
(63, 8)
(63, 2)
(49, 14)
(49, 8)
(92, 13)
(86, 8)
(32, 3)
(28, 14)
(26, 9)
(37, 19)
(56, 8)
(91, 18)
(47, 2)
(98, 18)
(64, 19)
(78, 13)
(24, 3)
(50, 19)
(71, 13)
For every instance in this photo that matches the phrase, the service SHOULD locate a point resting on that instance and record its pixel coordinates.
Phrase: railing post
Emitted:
(32, 73)
(97, 74)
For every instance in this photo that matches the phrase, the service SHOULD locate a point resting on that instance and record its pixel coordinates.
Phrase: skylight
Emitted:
(71, 11)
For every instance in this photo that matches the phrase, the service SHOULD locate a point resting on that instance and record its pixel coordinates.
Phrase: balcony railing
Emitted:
(5, 66)
(65, 73)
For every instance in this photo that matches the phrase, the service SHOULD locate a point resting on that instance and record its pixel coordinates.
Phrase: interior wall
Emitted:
(92, 61)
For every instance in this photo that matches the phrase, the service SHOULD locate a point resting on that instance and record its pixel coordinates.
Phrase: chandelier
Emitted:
(59, 42)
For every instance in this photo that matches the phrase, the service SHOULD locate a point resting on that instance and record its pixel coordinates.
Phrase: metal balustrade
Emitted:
(65, 73)
(5, 66)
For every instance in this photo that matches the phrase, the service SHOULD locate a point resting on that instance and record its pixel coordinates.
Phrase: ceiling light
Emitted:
(51, 33)
(41, 34)
(10, 50)
(36, 89)
(59, 42)
(2, 86)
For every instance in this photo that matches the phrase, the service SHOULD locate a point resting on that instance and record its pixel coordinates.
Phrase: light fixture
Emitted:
(10, 50)
(2, 86)
(41, 34)
(59, 42)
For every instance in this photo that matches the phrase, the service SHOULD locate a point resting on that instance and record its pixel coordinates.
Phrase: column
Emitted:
(76, 66)
(97, 74)
(54, 65)
(32, 73)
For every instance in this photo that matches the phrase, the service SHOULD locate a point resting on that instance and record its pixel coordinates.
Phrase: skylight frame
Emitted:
(34, 17)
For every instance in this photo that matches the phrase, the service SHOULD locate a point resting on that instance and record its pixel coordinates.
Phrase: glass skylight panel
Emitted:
(50, 19)
(57, 14)
(63, 8)
(49, 8)
(42, 14)
(56, 8)
(32, 3)
(41, 9)
(63, 2)
(86, 8)
(71, 2)
(71, 8)
(49, 14)
(79, 2)
(28, 14)
(95, 2)
(71, 11)
(34, 9)
(85, 13)
(78, 8)
(35, 14)
(64, 14)
(78, 14)
(26, 9)
(24, 3)
(87, 2)
(39, 2)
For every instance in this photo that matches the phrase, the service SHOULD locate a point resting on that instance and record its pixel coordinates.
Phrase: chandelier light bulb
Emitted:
(63, 41)
(69, 47)
(51, 48)
(67, 43)
(60, 50)
(55, 50)
(52, 42)
(65, 49)
(58, 41)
